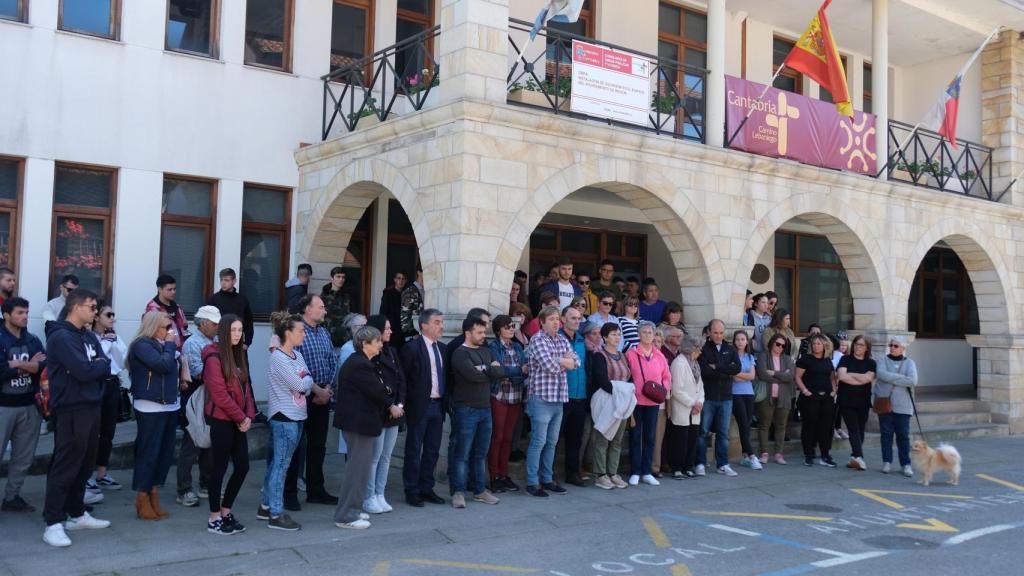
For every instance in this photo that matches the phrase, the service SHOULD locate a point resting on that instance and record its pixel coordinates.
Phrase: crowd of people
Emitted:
(590, 363)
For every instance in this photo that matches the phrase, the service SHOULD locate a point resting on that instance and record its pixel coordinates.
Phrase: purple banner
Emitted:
(788, 125)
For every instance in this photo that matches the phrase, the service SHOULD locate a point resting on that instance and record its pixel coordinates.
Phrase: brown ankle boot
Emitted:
(154, 500)
(143, 507)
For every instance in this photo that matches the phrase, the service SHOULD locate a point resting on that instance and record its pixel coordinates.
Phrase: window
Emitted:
(811, 282)
(942, 302)
(823, 94)
(351, 33)
(192, 26)
(582, 27)
(682, 37)
(94, 17)
(789, 80)
(414, 17)
(11, 174)
(16, 10)
(867, 88)
(266, 228)
(268, 33)
(587, 247)
(187, 213)
(83, 225)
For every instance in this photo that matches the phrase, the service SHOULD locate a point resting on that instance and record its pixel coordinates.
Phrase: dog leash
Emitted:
(918, 419)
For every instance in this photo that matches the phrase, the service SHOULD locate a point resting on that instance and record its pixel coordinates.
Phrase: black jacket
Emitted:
(717, 370)
(391, 308)
(234, 303)
(293, 292)
(362, 396)
(416, 361)
(76, 367)
(394, 377)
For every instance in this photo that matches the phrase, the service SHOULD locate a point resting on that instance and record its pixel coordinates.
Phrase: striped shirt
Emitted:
(318, 351)
(547, 377)
(630, 333)
(288, 382)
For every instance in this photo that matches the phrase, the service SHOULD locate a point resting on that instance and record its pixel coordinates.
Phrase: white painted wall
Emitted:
(942, 362)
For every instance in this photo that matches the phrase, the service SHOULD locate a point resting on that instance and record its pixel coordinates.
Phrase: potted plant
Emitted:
(534, 94)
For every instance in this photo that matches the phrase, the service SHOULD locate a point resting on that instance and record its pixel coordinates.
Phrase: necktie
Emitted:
(437, 366)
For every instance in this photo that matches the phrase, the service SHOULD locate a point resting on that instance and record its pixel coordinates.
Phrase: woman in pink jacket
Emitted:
(646, 363)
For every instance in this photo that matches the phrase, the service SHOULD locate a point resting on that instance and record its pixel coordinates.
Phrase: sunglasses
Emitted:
(580, 305)
(167, 326)
(109, 314)
(607, 303)
(895, 345)
(779, 344)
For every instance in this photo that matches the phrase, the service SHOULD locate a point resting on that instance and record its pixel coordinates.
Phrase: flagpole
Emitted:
(1010, 185)
(750, 109)
(885, 166)
(519, 55)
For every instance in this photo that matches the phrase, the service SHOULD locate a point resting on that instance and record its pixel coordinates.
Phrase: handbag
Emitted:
(653, 391)
(760, 391)
(883, 404)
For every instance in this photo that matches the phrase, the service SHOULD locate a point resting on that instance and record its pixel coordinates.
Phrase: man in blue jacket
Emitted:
(76, 367)
(21, 362)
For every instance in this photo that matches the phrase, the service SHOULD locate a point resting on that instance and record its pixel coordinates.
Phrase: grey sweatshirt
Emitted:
(473, 374)
(896, 379)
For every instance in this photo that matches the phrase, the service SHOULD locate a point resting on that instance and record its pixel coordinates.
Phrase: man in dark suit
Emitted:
(423, 362)
(391, 308)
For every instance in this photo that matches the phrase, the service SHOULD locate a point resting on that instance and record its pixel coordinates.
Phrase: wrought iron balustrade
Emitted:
(545, 80)
(930, 160)
(371, 86)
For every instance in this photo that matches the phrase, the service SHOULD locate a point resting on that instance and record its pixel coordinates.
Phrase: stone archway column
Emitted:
(1000, 367)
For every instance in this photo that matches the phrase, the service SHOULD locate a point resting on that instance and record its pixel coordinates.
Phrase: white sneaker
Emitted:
(727, 470)
(92, 498)
(634, 480)
(364, 516)
(55, 536)
(383, 503)
(863, 465)
(85, 522)
(755, 464)
(651, 480)
(699, 470)
(356, 525)
(371, 506)
(92, 486)
(908, 471)
(886, 467)
(300, 484)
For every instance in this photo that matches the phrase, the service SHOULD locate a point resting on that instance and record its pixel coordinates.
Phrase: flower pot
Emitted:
(532, 98)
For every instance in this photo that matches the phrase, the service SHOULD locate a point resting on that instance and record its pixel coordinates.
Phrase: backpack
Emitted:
(195, 413)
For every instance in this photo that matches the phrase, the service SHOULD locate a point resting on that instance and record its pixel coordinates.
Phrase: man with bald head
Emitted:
(719, 364)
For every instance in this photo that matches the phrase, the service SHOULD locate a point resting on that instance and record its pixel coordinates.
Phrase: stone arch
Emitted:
(684, 231)
(851, 237)
(336, 208)
(986, 269)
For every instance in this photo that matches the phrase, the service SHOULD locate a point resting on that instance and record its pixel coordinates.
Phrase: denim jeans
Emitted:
(545, 421)
(900, 425)
(382, 448)
(284, 438)
(471, 444)
(641, 440)
(715, 418)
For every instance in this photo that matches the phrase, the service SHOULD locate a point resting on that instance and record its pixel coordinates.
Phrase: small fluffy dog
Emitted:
(927, 459)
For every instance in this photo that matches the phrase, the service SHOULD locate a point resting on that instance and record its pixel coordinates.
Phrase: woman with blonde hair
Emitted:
(154, 370)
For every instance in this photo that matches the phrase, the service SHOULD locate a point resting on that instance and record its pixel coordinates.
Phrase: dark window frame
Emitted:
(960, 277)
(787, 72)
(12, 207)
(21, 16)
(284, 231)
(289, 37)
(588, 15)
(208, 224)
(214, 52)
(371, 18)
(822, 91)
(867, 94)
(106, 215)
(682, 45)
(547, 256)
(114, 26)
(794, 265)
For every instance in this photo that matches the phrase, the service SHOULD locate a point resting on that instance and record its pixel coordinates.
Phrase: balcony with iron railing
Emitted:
(400, 79)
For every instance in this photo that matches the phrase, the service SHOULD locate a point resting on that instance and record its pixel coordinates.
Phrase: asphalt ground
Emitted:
(783, 520)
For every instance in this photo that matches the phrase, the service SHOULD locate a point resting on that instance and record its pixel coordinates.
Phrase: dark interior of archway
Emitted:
(403, 253)
(942, 302)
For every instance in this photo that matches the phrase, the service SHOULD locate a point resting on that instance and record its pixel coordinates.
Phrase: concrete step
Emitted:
(941, 419)
(964, 405)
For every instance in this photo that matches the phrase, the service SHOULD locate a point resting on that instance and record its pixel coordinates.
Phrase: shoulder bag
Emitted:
(883, 404)
(653, 391)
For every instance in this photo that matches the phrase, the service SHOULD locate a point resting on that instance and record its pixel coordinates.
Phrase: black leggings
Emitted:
(743, 412)
(110, 409)
(682, 442)
(227, 443)
(856, 420)
(816, 424)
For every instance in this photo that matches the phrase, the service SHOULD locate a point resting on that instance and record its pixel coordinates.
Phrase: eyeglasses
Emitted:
(607, 303)
(109, 314)
(167, 326)
(580, 305)
(894, 345)
(583, 282)
(92, 307)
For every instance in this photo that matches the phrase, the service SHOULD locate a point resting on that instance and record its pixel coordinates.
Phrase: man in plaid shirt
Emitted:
(550, 357)
(318, 351)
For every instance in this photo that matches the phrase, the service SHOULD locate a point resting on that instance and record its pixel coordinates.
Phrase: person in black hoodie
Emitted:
(391, 308)
(229, 301)
(21, 362)
(77, 367)
(719, 363)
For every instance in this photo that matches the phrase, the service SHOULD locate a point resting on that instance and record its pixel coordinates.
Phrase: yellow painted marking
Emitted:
(656, 533)
(474, 566)
(680, 570)
(761, 515)
(931, 524)
(874, 495)
(998, 481)
(383, 568)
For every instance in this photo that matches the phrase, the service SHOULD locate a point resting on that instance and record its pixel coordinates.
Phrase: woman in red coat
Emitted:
(230, 409)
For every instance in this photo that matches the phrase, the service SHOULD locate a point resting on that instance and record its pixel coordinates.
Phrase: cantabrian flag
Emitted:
(815, 54)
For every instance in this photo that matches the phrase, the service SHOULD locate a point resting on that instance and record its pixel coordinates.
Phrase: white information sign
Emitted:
(611, 84)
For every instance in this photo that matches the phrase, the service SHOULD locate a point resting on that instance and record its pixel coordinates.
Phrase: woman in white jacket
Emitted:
(110, 408)
(685, 404)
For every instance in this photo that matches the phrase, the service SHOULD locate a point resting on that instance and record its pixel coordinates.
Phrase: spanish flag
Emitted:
(815, 54)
